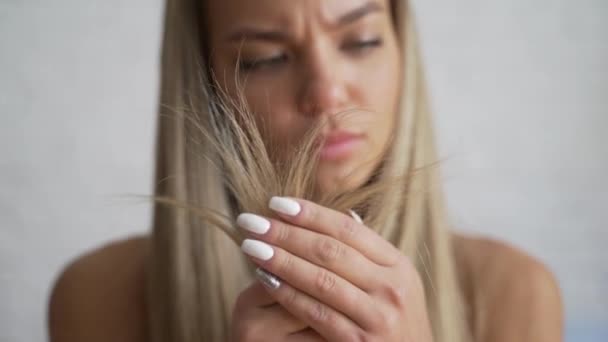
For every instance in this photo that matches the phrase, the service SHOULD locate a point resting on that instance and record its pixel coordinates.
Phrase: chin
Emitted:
(339, 178)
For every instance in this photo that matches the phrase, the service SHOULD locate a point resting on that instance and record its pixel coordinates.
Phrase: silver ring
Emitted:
(267, 279)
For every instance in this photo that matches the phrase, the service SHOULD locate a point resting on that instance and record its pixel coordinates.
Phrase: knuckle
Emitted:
(385, 320)
(282, 233)
(285, 264)
(310, 214)
(382, 322)
(348, 229)
(319, 313)
(394, 294)
(325, 281)
(358, 335)
(328, 250)
(354, 335)
(290, 297)
(362, 336)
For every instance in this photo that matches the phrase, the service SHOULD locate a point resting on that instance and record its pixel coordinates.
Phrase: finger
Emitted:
(327, 322)
(340, 226)
(266, 309)
(279, 318)
(319, 249)
(320, 283)
(255, 296)
(306, 335)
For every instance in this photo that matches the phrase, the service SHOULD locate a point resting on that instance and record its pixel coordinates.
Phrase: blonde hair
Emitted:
(196, 273)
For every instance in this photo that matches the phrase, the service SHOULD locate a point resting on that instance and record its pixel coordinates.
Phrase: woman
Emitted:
(349, 71)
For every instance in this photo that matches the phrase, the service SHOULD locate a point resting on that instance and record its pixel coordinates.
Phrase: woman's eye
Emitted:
(259, 63)
(359, 46)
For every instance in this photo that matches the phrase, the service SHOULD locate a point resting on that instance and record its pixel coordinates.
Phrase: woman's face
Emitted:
(301, 62)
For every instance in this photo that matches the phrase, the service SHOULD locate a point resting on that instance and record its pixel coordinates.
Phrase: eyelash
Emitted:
(363, 45)
(357, 47)
(252, 65)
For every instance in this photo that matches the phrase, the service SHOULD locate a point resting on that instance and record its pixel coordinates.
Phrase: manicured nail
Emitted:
(257, 249)
(355, 216)
(253, 223)
(284, 205)
(267, 279)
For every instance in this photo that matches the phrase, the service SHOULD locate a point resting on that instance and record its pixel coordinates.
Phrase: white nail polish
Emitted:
(284, 205)
(253, 223)
(257, 249)
(355, 216)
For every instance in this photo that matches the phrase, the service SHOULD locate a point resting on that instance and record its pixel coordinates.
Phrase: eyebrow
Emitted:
(358, 13)
(249, 33)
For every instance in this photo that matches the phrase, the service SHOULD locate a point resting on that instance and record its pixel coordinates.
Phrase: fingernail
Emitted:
(253, 223)
(267, 279)
(355, 216)
(257, 249)
(284, 205)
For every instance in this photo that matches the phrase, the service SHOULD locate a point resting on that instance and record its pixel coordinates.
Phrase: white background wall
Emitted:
(520, 88)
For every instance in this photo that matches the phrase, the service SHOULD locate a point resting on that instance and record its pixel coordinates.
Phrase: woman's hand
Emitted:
(258, 317)
(337, 277)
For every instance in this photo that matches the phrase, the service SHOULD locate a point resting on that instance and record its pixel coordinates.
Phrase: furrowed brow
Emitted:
(248, 33)
(358, 13)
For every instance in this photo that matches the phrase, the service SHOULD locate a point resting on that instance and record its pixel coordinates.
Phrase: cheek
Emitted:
(265, 97)
(381, 90)
(269, 100)
(272, 103)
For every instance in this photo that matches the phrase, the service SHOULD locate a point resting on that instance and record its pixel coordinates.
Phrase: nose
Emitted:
(323, 88)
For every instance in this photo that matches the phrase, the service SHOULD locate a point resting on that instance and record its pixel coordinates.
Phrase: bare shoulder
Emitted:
(513, 296)
(101, 295)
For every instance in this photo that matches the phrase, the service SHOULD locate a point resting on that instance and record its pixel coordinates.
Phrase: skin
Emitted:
(332, 267)
(341, 281)
(318, 59)
(101, 295)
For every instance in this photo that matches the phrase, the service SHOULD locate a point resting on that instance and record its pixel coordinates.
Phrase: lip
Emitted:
(339, 145)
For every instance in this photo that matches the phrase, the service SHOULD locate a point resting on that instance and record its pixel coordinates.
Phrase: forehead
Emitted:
(281, 13)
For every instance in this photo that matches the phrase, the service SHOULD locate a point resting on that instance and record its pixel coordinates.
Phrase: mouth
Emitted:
(339, 145)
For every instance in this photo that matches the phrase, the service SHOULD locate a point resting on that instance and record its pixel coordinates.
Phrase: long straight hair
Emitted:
(209, 164)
